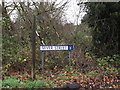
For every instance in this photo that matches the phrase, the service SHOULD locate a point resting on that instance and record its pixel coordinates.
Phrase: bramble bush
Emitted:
(109, 61)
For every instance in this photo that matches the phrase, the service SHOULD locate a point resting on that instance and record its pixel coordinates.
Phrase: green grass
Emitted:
(62, 78)
(13, 82)
(91, 74)
(75, 75)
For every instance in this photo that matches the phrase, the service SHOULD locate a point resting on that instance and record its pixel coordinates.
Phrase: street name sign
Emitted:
(56, 48)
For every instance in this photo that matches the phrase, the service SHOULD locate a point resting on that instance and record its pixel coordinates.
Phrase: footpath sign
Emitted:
(55, 48)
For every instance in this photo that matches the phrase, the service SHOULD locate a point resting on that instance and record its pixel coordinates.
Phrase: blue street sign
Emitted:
(70, 47)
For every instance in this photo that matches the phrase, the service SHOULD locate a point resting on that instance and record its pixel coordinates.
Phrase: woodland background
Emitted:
(96, 52)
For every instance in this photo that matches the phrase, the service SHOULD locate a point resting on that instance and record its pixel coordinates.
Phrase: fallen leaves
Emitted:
(91, 80)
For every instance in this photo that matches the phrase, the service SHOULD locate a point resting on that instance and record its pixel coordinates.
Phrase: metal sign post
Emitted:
(69, 61)
(42, 62)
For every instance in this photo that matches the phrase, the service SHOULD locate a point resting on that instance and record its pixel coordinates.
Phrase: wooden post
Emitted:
(33, 48)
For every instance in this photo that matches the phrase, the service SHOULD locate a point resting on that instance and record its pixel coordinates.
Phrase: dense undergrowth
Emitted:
(106, 75)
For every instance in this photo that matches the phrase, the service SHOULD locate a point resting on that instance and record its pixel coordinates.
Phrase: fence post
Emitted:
(33, 48)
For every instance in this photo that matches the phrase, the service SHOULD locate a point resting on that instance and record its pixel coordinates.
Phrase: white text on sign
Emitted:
(48, 48)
